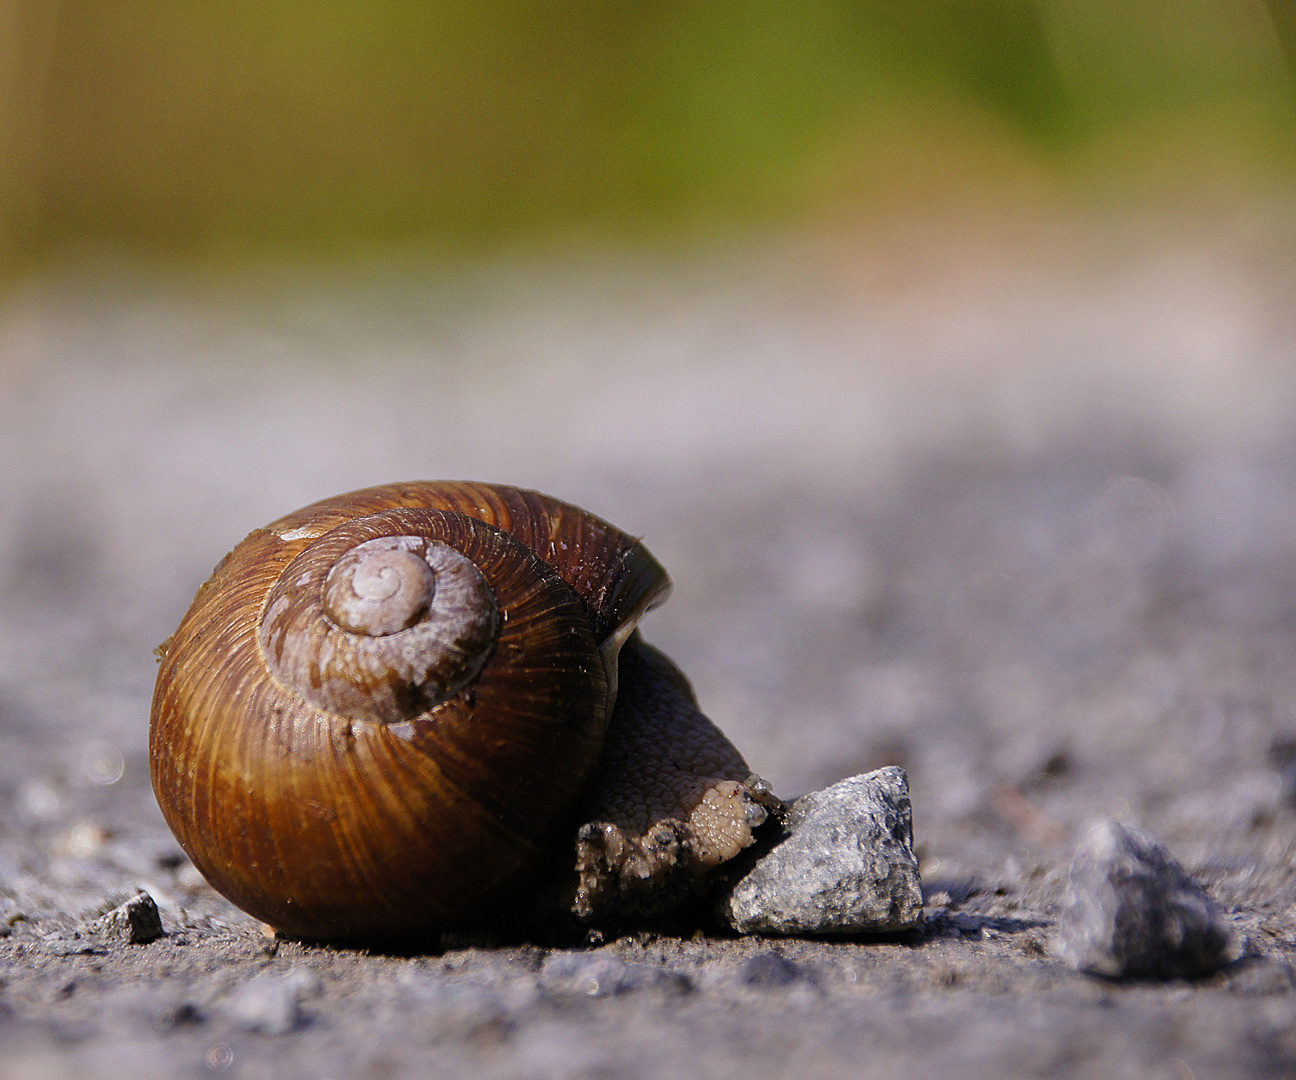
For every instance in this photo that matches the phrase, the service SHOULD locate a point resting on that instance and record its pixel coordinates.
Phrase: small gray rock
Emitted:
(844, 866)
(135, 922)
(1133, 912)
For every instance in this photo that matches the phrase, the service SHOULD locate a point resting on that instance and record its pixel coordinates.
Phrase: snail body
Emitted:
(386, 714)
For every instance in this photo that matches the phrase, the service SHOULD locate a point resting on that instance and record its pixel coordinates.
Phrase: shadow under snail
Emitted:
(404, 709)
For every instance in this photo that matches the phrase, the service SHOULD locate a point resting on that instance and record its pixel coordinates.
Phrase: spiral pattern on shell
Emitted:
(380, 709)
(375, 626)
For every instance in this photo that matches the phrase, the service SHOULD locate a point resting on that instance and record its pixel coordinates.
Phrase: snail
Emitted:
(403, 710)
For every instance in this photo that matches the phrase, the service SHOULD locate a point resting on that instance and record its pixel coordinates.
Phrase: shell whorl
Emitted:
(382, 586)
(378, 620)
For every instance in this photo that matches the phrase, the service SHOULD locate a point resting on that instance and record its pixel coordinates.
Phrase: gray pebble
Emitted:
(845, 865)
(1133, 912)
(135, 922)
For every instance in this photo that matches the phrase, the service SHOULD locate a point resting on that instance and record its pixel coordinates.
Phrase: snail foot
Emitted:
(674, 799)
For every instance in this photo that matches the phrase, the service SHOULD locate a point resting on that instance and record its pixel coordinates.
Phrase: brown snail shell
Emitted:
(383, 712)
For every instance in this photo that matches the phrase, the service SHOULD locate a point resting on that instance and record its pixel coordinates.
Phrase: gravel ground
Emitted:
(1012, 507)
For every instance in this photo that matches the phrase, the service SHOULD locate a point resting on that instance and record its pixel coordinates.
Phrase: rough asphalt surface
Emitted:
(1013, 509)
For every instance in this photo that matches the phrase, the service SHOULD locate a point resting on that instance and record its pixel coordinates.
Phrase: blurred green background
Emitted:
(175, 129)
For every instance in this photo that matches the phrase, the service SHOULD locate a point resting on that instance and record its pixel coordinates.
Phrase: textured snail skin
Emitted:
(673, 799)
(329, 819)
